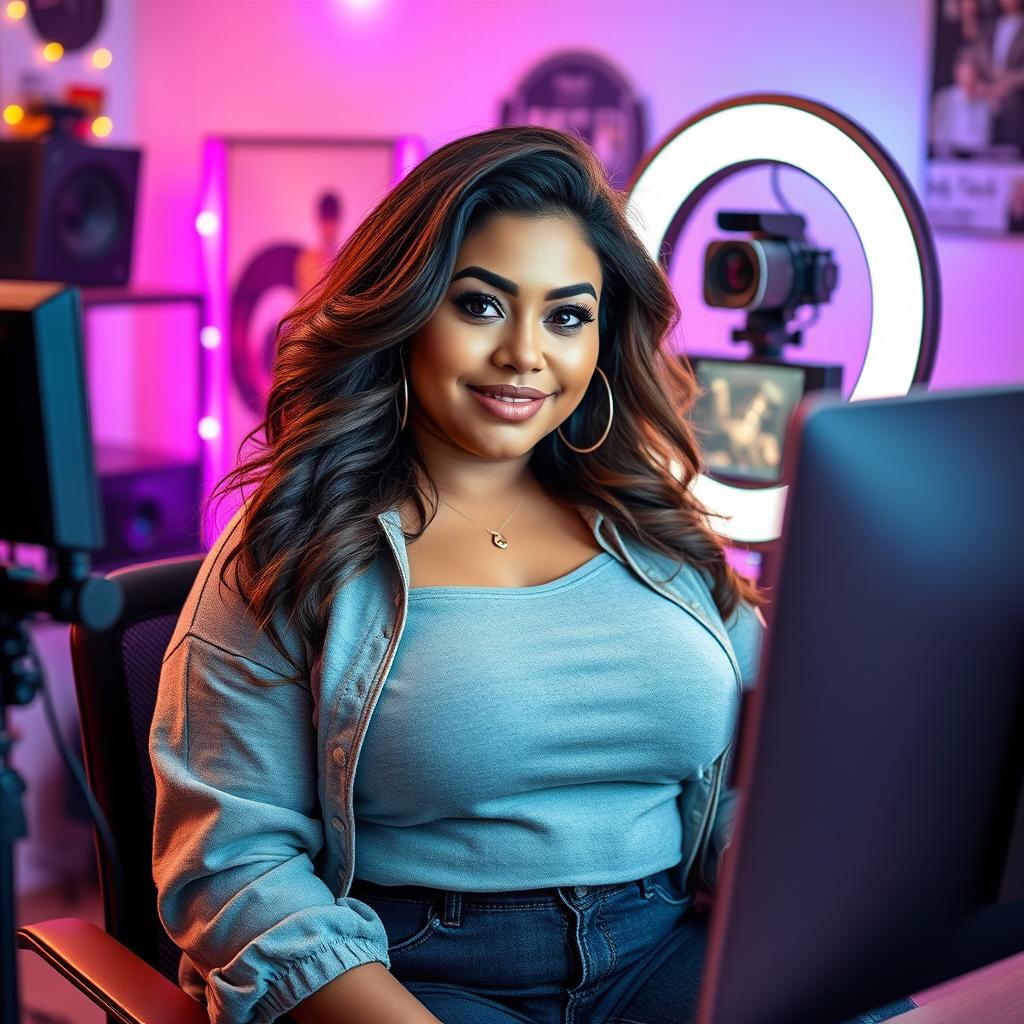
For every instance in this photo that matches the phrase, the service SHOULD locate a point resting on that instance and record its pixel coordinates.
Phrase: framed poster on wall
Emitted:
(976, 117)
(586, 94)
(273, 215)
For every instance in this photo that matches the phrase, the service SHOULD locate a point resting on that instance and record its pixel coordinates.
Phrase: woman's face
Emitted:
(521, 309)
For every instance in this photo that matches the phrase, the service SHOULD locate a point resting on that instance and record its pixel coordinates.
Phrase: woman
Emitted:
(464, 492)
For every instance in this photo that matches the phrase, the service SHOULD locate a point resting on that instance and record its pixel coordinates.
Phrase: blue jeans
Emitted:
(625, 953)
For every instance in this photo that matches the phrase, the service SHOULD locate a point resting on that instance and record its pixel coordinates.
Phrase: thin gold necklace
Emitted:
(498, 539)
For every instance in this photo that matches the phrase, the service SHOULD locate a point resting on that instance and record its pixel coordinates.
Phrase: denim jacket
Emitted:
(253, 844)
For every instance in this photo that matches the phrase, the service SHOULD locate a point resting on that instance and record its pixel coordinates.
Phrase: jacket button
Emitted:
(580, 890)
(338, 823)
(385, 630)
(338, 756)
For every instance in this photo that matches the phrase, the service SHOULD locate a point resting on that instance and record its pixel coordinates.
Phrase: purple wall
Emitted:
(187, 70)
(441, 70)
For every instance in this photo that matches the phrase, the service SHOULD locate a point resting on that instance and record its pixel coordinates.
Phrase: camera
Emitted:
(770, 275)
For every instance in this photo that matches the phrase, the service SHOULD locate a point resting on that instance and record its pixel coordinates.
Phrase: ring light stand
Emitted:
(887, 217)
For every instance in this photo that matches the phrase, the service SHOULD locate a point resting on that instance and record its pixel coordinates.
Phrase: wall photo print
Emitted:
(976, 123)
(286, 205)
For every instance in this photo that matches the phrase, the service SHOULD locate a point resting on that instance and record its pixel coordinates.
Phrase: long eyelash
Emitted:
(583, 312)
(463, 299)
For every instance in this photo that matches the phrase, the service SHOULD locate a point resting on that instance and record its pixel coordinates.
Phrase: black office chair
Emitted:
(130, 969)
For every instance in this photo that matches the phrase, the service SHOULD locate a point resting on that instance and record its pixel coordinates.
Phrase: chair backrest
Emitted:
(116, 675)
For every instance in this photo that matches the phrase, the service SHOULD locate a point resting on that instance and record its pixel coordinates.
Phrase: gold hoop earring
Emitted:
(611, 416)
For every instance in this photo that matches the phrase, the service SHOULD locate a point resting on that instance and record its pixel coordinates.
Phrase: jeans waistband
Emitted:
(430, 893)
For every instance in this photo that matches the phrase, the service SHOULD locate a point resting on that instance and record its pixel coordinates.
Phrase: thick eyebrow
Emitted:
(513, 289)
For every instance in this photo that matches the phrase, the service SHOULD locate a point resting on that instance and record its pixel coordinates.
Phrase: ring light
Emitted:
(886, 215)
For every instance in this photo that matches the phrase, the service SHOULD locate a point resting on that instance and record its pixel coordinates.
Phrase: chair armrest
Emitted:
(110, 974)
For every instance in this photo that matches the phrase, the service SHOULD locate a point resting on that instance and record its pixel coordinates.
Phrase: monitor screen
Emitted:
(742, 415)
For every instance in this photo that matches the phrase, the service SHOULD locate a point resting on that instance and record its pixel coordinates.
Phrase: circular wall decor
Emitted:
(72, 23)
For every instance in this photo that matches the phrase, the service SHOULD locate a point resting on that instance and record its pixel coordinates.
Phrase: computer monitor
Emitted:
(744, 409)
(51, 494)
(879, 841)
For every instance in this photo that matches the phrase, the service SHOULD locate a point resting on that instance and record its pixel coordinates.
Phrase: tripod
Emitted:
(72, 596)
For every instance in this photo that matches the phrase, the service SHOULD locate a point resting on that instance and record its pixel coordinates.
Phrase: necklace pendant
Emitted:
(498, 539)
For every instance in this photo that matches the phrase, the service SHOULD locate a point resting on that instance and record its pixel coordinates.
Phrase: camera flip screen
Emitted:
(742, 415)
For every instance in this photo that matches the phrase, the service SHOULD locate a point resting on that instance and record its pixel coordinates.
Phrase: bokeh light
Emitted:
(102, 126)
(13, 114)
(102, 58)
(16, 10)
(53, 52)
(209, 337)
(207, 223)
(209, 428)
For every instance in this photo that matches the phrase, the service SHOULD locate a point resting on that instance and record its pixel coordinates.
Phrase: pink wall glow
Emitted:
(441, 69)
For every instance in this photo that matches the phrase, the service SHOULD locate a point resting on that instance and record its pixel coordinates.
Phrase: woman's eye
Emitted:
(577, 317)
(569, 319)
(476, 305)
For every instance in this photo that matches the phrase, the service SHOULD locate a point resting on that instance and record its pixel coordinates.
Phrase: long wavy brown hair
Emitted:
(329, 455)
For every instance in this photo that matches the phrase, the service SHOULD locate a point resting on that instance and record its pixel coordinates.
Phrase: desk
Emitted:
(989, 995)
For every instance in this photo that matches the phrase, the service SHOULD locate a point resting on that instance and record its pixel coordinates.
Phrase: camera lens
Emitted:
(732, 274)
(736, 270)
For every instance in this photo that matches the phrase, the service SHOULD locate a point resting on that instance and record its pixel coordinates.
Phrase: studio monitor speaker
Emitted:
(67, 211)
(150, 506)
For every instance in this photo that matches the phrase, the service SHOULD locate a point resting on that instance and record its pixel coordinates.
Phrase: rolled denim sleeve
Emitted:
(746, 628)
(236, 832)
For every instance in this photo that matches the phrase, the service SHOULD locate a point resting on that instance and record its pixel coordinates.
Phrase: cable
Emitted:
(802, 325)
(787, 208)
(776, 187)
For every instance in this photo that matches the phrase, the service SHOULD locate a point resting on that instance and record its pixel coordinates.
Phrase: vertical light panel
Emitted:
(211, 231)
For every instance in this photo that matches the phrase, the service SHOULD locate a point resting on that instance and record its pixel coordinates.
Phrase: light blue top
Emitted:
(537, 736)
(254, 832)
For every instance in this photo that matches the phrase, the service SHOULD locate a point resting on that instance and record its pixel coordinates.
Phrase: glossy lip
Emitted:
(508, 390)
(510, 412)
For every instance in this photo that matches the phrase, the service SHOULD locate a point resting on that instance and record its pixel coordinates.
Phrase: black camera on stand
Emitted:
(770, 275)
(50, 500)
